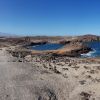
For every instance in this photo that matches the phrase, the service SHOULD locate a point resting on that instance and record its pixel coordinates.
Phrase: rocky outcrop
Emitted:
(87, 38)
(21, 53)
(64, 42)
(37, 43)
(72, 50)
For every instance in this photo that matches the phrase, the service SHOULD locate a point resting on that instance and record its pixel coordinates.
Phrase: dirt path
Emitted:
(23, 81)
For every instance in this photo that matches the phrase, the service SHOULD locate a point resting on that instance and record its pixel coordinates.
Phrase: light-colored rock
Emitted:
(28, 58)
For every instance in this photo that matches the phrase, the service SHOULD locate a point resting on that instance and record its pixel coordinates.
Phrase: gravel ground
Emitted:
(23, 81)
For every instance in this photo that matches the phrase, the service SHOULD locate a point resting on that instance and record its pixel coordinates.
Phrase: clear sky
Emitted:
(50, 17)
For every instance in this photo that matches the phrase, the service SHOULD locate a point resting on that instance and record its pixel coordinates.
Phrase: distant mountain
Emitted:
(7, 35)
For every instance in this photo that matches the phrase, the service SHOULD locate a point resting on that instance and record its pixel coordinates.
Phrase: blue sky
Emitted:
(50, 17)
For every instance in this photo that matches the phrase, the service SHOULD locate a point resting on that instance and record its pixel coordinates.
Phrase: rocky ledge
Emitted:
(72, 50)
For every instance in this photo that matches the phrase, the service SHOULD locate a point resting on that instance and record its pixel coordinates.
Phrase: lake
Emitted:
(49, 46)
(96, 49)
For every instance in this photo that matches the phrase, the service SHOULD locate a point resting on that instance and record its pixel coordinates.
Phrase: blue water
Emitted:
(96, 49)
(47, 47)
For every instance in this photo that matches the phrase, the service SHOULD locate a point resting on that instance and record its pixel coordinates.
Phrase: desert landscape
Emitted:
(49, 49)
(62, 74)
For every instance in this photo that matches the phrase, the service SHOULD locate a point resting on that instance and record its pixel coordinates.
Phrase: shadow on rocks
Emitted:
(46, 94)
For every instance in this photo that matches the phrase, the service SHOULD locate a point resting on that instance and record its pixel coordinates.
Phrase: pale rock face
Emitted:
(28, 58)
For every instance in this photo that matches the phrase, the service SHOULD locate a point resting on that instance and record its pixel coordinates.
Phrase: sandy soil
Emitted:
(82, 75)
(62, 79)
(23, 81)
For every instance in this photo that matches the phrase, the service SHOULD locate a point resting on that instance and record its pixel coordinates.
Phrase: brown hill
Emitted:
(86, 38)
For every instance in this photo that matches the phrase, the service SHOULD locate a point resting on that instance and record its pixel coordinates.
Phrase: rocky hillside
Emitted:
(86, 38)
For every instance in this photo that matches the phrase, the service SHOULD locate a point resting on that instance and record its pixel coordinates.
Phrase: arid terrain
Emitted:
(48, 75)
